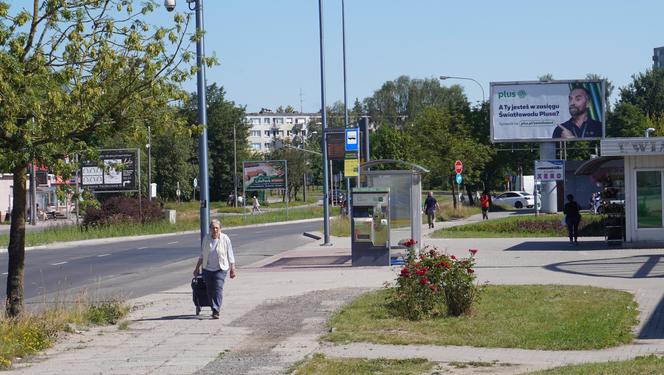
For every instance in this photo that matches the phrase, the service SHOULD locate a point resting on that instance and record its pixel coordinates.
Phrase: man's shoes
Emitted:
(215, 315)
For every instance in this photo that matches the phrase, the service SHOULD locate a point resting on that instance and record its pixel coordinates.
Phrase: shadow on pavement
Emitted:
(654, 327)
(633, 267)
(177, 317)
(560, 245)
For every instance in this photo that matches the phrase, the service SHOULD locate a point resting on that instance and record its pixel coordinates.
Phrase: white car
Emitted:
(516, 199)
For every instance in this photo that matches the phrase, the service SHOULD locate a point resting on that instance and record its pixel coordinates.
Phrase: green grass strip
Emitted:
(546, 317)
(318, 364)
(523, 226)
(647, 365)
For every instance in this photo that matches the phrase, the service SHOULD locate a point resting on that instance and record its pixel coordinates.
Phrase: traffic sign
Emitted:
(458, 166)
(459, 179)
(352, 136)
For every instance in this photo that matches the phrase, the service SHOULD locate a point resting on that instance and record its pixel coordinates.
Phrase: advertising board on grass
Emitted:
(113, 171)
(547, 111)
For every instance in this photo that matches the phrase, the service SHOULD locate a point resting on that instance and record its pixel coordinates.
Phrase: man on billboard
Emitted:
(581, 125)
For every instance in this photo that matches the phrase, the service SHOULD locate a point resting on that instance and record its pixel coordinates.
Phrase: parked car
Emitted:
(516, 199)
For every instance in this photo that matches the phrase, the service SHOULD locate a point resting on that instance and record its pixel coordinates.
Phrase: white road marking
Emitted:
(103, 255)
(172, 243)
(141, 248)
(5, 273)
(57, 264)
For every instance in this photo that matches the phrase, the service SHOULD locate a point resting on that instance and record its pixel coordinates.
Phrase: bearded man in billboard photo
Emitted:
(580, 125)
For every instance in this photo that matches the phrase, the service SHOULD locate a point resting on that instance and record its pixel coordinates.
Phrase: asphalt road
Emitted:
(133, 268)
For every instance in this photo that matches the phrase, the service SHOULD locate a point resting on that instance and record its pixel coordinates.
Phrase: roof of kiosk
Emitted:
(590, 166)
(412, 166)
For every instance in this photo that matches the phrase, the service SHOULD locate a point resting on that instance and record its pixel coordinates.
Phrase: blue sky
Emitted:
(269, 49)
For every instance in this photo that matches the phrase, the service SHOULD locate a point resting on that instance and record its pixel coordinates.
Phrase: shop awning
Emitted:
(593, 165)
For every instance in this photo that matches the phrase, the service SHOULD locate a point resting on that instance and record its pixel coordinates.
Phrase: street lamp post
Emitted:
(648, 131)
(442, 78)
(234, 169)
(149, 146)
(326, 205)
(204, 195)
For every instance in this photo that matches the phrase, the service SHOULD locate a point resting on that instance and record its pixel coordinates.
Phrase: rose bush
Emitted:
(434, 283)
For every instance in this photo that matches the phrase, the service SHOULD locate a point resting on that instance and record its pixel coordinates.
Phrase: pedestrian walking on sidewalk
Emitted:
(485, 202)
(256, 206)
(572, 219)
(217, 260)
(430, 207)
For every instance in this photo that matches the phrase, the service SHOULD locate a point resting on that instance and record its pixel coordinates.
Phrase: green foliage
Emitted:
(544, 317)
(106, 313)
(433, 284)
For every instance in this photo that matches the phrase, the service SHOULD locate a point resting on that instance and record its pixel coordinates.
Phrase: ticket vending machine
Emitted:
(370, 227)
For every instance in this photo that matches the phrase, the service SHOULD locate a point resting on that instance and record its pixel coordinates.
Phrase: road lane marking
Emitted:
(172, 243)
(5, 273)
(57, 264)
(141, 248)
(103, 255)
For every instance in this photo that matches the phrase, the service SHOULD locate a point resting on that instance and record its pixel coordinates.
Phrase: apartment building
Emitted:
(267, 126)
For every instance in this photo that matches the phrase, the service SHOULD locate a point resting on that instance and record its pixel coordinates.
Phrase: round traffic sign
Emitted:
(458, 166)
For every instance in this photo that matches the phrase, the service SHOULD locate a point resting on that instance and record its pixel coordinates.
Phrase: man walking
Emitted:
(485, 201)
(430, 207)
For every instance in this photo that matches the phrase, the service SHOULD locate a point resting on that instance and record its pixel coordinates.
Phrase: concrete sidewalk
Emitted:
(275, 310)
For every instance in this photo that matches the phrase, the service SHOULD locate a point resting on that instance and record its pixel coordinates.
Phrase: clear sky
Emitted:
(269, 49)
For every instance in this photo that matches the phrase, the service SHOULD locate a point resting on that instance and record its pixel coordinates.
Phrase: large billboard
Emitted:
(547, 111)
(261, 175)
(114, 171)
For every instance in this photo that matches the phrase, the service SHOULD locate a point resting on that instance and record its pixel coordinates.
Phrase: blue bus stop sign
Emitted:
(459, 178)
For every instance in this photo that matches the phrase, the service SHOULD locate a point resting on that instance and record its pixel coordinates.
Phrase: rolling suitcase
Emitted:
(199, 293)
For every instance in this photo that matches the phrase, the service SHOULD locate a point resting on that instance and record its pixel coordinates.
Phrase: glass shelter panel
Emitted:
(649, 199)
(400, 208)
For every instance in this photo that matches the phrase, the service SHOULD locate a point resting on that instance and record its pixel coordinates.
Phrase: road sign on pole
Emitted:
(459, 179)
(458, 166)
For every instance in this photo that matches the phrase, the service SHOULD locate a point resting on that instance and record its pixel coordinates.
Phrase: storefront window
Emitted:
(649, 199)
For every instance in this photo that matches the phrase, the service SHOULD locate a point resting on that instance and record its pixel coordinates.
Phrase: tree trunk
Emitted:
(16, 250)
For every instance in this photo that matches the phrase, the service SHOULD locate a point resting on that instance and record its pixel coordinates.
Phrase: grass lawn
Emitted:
(321, 365)
(649, 365)
(523, 226)
(186, 220)
(547, 317)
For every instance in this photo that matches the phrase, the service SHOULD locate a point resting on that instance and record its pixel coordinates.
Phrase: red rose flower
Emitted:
(405, 272)
(424, 281)
(432, 287)
(470, 270)
(472, 251)
(452, 257)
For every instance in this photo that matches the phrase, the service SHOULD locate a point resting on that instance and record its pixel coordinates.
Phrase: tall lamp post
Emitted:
(204, 196)
(442, 78)
(326, 205)
(149, 146)
(234, 168)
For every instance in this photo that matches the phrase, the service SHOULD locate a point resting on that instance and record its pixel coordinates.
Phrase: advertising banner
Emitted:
(115, 170)
(261, 175)
(547, 111)
(549, 170)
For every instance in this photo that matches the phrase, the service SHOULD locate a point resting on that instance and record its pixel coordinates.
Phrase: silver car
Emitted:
(516, 199)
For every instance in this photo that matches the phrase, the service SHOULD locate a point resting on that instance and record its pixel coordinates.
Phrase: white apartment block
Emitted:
(267, 126)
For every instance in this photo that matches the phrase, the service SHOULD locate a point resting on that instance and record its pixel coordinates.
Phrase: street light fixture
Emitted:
(326, 206)
(442, 78)
(648, 131)
(204, 196)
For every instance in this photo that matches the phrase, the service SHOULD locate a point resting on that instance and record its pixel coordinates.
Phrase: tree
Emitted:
(174, 164)
(73, 73)
(223, 117)
(296, 166)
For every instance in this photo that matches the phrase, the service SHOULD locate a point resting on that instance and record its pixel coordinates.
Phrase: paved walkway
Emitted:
(165, 337)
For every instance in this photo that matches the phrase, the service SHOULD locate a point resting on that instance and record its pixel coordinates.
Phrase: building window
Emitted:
(255, 133)
(256, 121)
(299, 120)
(278, 120)
(289, 120)
(255, 146)
(288, 133)
(267, 145)
(649, 199)
(266, 120)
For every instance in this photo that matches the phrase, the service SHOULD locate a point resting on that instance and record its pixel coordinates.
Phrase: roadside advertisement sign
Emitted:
(549, 170)
(261, 175)
(547, 111)
(114, 171)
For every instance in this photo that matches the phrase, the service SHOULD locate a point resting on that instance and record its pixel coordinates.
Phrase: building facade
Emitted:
(267, 126)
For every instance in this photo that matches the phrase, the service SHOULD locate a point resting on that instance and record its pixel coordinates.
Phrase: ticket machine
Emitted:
(370, 227)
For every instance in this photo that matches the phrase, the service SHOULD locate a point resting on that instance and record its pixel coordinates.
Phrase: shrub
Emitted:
(434, 283)
(122, 210)
(106, 313)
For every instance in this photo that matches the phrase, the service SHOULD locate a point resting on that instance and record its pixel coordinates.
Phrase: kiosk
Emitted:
(370, 227)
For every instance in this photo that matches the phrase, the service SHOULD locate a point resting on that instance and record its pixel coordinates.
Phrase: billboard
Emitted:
(549, 170)
(114, 171)
(547, 111)
(261, 175)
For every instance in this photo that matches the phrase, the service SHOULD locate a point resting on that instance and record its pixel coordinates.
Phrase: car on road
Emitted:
(516, 199)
